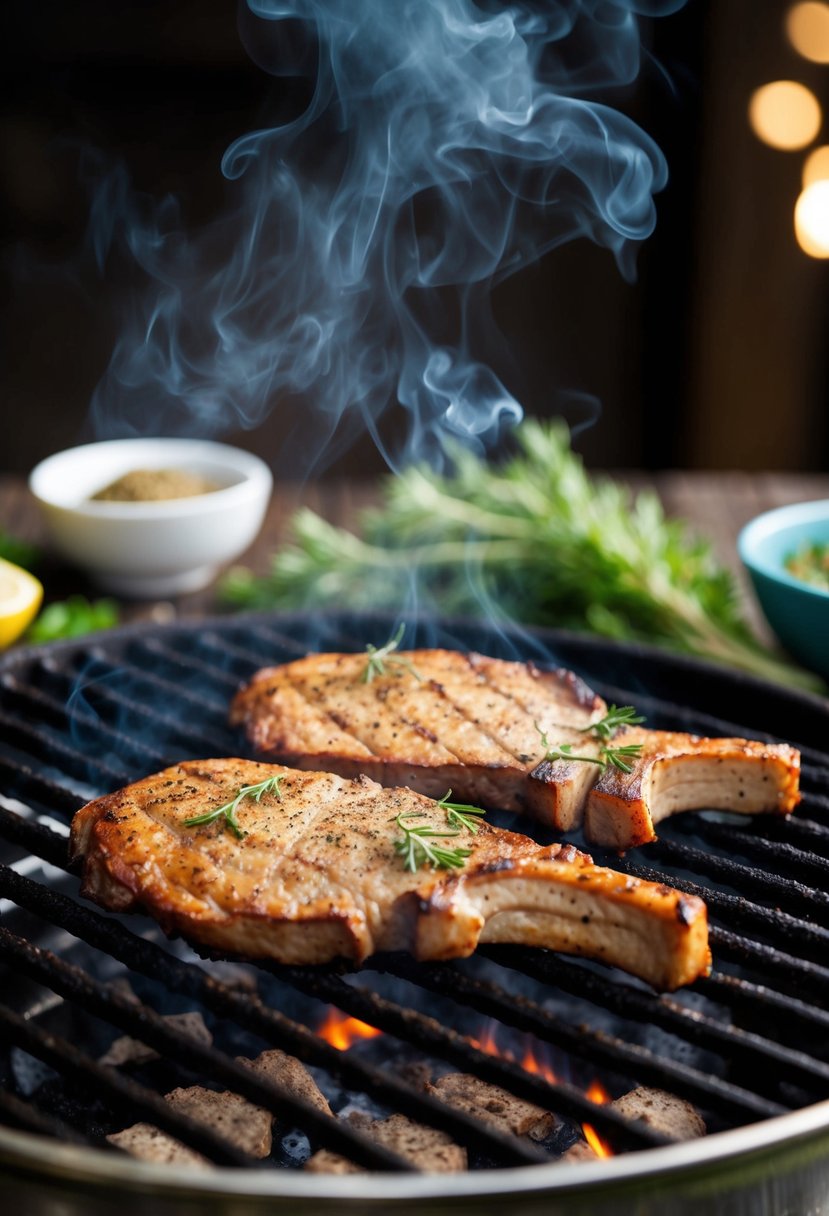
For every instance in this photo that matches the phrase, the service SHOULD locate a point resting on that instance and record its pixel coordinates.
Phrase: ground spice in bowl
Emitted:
(155, 485)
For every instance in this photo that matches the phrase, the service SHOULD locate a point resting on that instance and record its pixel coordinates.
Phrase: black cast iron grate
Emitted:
(745, 1044)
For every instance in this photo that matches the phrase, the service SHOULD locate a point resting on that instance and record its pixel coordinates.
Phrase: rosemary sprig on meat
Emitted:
(418, 847)
(615, 717)
(603, 730)
(269, 786)
(379, 656)
(564, 751)
(461, 814)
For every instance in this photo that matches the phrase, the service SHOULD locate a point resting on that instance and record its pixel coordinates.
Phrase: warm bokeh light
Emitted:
(341, 1031)
(785, 114)
(811, 220)
(816, 166)
(807, 26)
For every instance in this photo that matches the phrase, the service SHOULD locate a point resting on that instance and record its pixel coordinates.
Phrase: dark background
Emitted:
(716, 357)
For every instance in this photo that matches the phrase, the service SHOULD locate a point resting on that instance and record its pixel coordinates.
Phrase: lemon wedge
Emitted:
(20, 596)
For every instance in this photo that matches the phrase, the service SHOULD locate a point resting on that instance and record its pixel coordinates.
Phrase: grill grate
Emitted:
(748, 1043)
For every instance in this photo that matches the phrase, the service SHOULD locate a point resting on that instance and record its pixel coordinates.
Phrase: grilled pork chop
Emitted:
(438, 719)
(316, 875)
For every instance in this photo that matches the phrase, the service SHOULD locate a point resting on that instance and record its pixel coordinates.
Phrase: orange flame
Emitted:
(596, 1092)
(341, 1031)
(533, 1061)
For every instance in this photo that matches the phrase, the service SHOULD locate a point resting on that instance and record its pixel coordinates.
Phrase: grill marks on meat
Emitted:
(316, 877)
(470, 723)
(473, 724)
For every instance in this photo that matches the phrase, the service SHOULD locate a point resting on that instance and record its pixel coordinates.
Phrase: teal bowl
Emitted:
(797, 612)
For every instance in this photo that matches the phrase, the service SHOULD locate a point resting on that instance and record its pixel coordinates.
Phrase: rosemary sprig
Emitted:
(417, 846)
(608, 754)
(564, 751)
(379, 656)
(268, 786)
(615, 755)
(460, 814)
(615, 717)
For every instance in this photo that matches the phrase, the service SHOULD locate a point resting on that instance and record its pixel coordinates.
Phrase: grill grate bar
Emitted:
(123, 1094)
(736, 912)
(90, 676)
(608, 1050)
(792, 861)
(248, 660)
(790, 894)
(48, 750)
(247, 1010)
(761, 1006)
(794, 974)
(141, 1022)
(803, 832)
(189, 662)
(772, 1060)
(35, 702)
(37, 838)
(30, 786)
(117, 701)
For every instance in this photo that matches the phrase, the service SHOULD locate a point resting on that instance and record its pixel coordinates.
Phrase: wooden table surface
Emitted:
(715, 504)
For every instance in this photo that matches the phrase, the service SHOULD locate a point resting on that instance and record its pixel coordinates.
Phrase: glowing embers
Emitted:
(807, 26)
(342, 1031)
(596, 1092)
(532, 1058)
(785, 115)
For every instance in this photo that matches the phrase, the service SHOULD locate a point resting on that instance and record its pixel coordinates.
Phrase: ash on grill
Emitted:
(510, 1057)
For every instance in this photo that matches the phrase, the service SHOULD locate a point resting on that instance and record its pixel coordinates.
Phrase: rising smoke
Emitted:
(447, 145)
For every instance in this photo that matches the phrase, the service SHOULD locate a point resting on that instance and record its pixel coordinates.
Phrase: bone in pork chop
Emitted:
(482, 727)
(316, 875)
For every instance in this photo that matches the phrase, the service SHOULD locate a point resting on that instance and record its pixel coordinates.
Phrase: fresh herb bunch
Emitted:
(228, 811)
(533, 539)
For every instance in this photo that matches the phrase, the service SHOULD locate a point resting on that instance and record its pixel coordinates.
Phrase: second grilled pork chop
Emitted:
(439, 720)
(316, 876)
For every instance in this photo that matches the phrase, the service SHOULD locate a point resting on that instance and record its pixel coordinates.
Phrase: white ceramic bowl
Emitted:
(149, 549)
